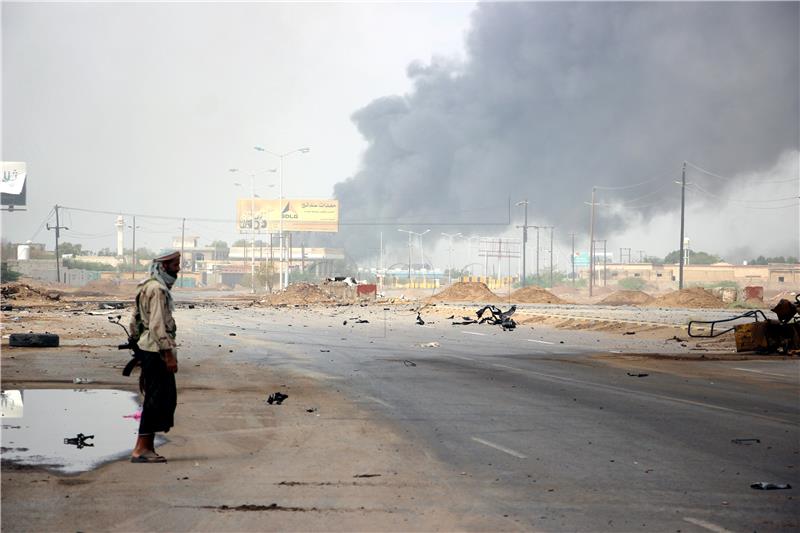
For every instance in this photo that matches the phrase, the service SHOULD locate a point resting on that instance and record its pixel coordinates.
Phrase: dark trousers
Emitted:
(160, 394)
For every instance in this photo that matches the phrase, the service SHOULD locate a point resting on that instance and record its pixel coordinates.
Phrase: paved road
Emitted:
(553, 438)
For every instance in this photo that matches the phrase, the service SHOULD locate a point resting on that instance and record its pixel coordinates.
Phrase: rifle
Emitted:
(130, 345)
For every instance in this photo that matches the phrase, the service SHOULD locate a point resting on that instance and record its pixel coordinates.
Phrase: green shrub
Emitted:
(631, 284)
(6, 274)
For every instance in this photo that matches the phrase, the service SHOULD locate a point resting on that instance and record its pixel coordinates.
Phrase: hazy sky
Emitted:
(143, 107)
(413, 113)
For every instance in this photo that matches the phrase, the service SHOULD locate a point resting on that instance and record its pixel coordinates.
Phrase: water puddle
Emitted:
(67, 430)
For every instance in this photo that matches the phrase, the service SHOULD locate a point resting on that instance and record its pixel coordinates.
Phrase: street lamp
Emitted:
(409, 253)
(252, 223)
(450, 256)
(525, 238)
(422, 254)
(280, 157)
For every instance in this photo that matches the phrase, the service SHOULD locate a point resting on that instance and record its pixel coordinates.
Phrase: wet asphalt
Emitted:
(548, 436)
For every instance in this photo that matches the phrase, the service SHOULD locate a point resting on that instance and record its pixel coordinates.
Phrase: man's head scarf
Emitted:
(159, 273)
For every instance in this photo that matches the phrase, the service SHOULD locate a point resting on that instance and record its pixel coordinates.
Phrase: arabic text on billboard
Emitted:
(298, 215)
(12, 186)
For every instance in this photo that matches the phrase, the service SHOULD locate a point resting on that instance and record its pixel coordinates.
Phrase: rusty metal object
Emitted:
(786, 310)
(762, 335)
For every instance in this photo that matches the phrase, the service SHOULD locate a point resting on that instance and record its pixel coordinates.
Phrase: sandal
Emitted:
(149, 457)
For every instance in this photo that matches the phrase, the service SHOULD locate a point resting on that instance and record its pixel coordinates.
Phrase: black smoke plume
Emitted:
(553, 98)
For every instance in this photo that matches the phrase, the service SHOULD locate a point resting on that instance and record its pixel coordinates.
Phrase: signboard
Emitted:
(13, 186)
(307, 214)
(581, 259)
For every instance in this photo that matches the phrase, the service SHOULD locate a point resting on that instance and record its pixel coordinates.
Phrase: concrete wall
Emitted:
(45, 269)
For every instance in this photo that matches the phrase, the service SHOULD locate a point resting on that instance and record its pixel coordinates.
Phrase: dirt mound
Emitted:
(299, 294)
(28, 292)
(467, 291)
(696, 297)
(535, 295)
(626, 298)
(107, 287)
(785, 295)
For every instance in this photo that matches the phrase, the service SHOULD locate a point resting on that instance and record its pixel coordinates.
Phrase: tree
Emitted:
(240, 242)
(67, 248)
(761, 260)
(7, 274)
(653, 260)
(106, 252)
(695, 258)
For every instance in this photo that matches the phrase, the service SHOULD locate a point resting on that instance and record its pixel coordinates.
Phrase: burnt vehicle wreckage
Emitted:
(761, 335)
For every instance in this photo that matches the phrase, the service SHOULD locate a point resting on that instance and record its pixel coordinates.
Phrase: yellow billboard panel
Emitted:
(307, 214)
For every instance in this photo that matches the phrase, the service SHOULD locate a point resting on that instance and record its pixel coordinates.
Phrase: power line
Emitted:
(44, 222)
(703, 191)
(712, 174)
(634, 185)
(785, 199)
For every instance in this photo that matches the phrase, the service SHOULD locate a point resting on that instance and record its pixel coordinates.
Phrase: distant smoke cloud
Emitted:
(556, 97)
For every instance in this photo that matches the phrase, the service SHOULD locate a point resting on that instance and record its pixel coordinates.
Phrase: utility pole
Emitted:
(183, 233)
(551, 257)
(524, 238)
(683, 205)
(641, 256)
(591, 246)
(133, 251)
(573, 258)
(605, 259)
(537, 251)
(57, 227)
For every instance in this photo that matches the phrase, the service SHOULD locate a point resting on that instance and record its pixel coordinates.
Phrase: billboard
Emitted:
(305, 214)
(13, 186)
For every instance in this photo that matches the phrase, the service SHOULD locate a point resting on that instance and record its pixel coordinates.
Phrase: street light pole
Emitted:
(304, 150)
(409, 254)
(525, 239)
(252, 224)
(450, 256)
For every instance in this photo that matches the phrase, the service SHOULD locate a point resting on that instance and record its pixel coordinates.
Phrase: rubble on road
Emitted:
(299, 294)
(498, 317)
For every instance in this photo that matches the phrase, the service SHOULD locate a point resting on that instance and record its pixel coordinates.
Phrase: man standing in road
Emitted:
(153, 330)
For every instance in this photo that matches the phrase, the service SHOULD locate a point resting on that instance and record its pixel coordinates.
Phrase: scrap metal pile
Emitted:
(762, 335)
(497, 317)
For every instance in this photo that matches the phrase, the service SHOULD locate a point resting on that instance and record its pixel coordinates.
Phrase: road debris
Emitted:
(409, 363)
(465, 321)
(433, 344)
(419, 320)
(498, 317)
(82, 380)
(79, 440)
(33, 340)
(637, 375)
(311, 410)
(763, 335)
(746, 442)
(277, 398)
(362, 321)
(367, 475)
(763, 485)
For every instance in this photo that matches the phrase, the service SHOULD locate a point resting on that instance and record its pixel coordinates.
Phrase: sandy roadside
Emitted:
(235, 463)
